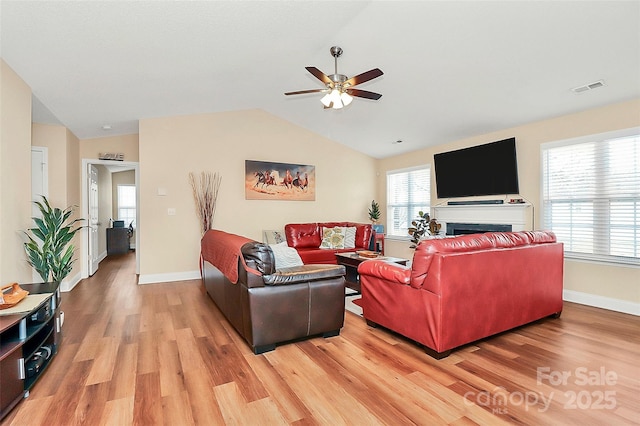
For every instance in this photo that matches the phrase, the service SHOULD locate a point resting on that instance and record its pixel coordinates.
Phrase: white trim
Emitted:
(169, 277)
(68, 283)
(45, 169)
(609, 303)
(629, 262)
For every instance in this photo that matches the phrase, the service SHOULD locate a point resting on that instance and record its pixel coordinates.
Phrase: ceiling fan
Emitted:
(338, 88)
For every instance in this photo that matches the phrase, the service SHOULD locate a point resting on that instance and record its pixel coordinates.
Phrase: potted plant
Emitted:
(374, 212)
(49, 250)
(422, 226)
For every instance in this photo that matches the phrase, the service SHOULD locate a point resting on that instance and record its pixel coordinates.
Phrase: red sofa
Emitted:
(459, 290)
(307, 237)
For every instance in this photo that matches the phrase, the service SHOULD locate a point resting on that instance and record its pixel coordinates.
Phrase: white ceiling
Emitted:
(451, 69)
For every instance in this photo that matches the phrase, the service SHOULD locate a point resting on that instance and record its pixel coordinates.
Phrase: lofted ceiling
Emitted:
(451, 69)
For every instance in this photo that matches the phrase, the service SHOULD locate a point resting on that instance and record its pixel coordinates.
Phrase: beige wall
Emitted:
(617, 282)
(172, 147)
(64, 169)
(73, 169)
(63, 178)
(15, 174)
(74, 199)
(54, 138)
(126, 144)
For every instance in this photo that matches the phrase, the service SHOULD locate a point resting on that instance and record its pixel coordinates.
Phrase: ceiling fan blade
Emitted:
(364, 94)
(301, 92)
(319, 75)
(365, 76)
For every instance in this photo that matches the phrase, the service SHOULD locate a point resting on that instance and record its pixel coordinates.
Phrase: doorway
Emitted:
(85, 253)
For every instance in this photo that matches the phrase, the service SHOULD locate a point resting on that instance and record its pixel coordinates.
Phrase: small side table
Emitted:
(351, 261)
(117, 241)
(379, 243)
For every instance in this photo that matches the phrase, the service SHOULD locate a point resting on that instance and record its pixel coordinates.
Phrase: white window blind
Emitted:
(408, 192)
(591, 196)
(127, 204)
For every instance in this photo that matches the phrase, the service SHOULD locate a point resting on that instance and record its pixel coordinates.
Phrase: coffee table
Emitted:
(351, 260)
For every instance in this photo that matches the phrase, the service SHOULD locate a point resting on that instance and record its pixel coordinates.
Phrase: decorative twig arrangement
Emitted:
(205, 193)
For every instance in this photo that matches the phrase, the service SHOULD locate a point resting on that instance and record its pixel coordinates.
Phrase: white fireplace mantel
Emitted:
(516, 215)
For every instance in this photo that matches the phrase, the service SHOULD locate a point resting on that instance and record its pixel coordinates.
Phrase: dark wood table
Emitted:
(351, 260)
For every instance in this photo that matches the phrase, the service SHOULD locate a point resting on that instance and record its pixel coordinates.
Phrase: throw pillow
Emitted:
(285, 256)
(333, 238)
(350, 237)
(272, 237)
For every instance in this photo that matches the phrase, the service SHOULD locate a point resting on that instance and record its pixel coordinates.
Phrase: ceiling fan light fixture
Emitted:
(335, 99)
(346, 98)
(326, 100)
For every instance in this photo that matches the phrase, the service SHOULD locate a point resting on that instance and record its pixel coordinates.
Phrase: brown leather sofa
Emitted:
(463, 289)
(268, 306)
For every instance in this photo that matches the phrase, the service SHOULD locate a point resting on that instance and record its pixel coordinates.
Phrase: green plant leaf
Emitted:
(53, 254)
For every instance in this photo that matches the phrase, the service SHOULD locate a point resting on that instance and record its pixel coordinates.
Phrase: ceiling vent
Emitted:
(588, 87)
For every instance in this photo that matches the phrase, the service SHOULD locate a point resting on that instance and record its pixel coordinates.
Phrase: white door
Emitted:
(39, 176)
(93, 219)
(39, 187)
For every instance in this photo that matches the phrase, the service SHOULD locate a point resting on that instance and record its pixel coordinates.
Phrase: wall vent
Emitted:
(587, 87)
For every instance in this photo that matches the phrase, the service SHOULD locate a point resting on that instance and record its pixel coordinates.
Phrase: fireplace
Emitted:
(468, 219)
(475, 228)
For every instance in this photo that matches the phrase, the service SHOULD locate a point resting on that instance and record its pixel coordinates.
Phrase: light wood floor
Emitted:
(163, 354)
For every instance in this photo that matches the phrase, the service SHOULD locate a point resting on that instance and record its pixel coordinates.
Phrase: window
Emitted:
(591, 195)
(127, 204)
(408, 192)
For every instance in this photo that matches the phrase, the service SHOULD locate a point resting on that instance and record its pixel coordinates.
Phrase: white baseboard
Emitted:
(102, 256)
(617, 305)
(173, 276)
(69, 283)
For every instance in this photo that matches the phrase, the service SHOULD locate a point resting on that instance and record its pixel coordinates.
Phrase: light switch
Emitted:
(162, 191)
(171, 211)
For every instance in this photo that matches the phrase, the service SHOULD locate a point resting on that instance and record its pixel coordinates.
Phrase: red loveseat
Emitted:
(459, 290)
(307, 237)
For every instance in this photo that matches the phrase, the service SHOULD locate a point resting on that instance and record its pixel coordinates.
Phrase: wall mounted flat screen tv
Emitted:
(489, 169)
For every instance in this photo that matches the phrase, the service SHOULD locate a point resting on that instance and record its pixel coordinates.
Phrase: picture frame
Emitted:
(266, 180)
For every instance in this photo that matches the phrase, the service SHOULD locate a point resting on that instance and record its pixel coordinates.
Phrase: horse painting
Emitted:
(266, 180)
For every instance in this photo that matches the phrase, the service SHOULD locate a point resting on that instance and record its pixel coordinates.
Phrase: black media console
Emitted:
(28, 343)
